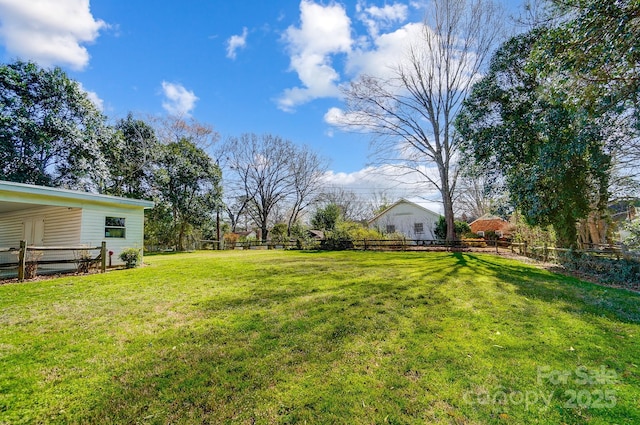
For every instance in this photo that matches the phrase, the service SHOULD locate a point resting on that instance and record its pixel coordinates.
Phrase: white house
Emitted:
(45, 216)
(409, 218)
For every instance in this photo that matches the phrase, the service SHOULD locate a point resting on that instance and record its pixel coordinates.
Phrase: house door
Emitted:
(33, 231)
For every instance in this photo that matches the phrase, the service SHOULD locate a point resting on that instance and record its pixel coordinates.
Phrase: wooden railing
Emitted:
(30, 258)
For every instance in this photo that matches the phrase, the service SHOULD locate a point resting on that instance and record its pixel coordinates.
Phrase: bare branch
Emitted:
(410, 116)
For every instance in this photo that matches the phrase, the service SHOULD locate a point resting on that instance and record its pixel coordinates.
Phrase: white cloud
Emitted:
(93, 97)
(393, 182)
(334, 117)
(387, 51)
(49, 32)
(376, 18)
(349, 121)
(178, 100)
(324, 31)
(236, 42)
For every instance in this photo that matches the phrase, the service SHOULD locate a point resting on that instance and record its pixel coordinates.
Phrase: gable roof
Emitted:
(29, 194)
(401, 201)
(489, 222)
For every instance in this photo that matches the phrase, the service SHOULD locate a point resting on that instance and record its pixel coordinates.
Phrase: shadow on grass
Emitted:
(283, 351)
(578, 296)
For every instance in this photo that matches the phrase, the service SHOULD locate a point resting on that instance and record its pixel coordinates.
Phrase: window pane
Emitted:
(114, 222)
(418, 227)
(114, 232)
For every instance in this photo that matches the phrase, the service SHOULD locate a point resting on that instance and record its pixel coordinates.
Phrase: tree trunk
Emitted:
(447, 201)
(181, 237)
(449, 218)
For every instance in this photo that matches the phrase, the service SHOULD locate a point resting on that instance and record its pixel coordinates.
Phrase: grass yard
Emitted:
(279, 337)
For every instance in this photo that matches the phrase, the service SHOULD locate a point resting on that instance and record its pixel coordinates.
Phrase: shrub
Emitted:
(247, 241)
(279, 233)
(476, 242)
(620, 272)
(338, 239)
(131, 257)
(230, 240)
(31, 267)
(440, 229)
(348, 233)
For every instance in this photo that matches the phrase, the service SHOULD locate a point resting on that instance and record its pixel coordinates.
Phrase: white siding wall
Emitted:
(93, 226)
(404, 216)
(61, 226)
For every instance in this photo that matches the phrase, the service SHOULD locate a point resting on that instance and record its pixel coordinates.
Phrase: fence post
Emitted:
(103, 257)
(22, 260)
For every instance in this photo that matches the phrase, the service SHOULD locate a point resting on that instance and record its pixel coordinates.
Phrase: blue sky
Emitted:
(239, 65)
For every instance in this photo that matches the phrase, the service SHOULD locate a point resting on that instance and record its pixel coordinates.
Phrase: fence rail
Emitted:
(363, 244)
(26, 262)
(538, 252)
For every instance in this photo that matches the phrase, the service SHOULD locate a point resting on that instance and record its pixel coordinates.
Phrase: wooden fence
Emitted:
(547, 253)
(538, 252)
(29, 259)
(364, 244)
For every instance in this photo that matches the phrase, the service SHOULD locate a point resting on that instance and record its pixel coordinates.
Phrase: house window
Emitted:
(481, 233)
(114, 227)
(418, 227)
(391, 228)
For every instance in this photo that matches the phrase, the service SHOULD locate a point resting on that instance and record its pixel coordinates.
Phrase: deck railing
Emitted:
(26, 262)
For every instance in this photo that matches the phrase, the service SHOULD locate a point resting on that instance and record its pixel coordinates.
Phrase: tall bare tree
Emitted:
(261, 169)
(174, 128)
(270, 179)
(411, 114)
(352, 206)
(307, 171)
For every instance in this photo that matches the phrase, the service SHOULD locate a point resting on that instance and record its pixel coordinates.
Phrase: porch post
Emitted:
(103, 257)
(22, 260)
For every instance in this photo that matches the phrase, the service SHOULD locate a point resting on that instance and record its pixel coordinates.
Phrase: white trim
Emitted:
(41, 195)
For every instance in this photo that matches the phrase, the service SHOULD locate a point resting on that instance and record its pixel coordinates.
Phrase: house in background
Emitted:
(491, 223)
(409, 218)
(45, 216)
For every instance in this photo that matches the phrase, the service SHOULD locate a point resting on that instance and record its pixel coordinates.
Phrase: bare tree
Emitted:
(411, 114)
(352, 206)
(236, 209)
(307, 170)
(173, 128)
(270, 179)
(261, 165)
(473, 199)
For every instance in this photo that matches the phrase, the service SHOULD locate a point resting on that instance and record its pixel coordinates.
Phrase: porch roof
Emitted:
(16, 196)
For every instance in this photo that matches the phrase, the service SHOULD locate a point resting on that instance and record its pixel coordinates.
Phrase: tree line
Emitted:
(52, 134)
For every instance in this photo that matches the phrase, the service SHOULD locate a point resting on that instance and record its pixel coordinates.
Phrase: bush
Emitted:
(620, 272)
(230, 240)
(476, 242)
(279, 233)
(440, 230)
(247, 241)
(131, 257)
(348, 233)
(337, 240)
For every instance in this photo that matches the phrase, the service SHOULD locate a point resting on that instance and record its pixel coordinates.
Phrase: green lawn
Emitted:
(245, 337)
